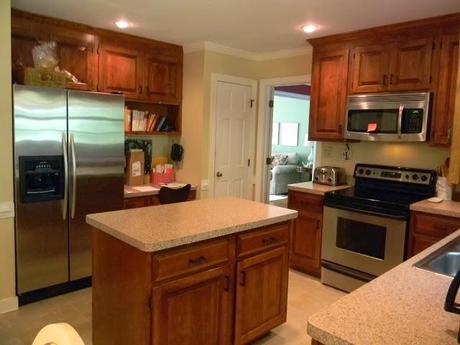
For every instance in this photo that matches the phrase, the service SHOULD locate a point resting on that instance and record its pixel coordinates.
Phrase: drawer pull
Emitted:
(197, 261)
(269, 240)
(227, 283)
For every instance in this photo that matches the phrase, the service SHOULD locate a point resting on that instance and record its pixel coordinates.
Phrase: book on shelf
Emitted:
(160, 123)
(127, 120)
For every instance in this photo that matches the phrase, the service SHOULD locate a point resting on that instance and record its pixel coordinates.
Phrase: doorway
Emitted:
(233, 137)
(291, 152)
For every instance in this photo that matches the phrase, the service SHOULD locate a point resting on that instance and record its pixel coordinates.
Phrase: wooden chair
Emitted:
(173, 195)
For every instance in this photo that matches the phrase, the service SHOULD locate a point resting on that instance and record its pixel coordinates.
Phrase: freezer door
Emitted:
(96, 162)
(40, 123)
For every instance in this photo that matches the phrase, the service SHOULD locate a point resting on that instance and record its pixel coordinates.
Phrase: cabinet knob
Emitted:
(385, 79)
(219, 174)
(391, 78)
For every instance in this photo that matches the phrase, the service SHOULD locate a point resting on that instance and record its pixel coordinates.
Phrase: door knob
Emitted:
(219, 174)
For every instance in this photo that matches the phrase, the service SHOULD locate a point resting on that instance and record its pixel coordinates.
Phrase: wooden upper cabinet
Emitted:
(120, 70)
(162, 78)
(369, 68)
(328, 94)
(193, 310)
(443, 112)
(410, 65)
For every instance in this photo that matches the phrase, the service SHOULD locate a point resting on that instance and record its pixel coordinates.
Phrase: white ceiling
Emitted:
(258, 26)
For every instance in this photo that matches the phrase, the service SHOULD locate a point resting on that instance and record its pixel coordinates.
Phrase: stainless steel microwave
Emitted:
(388, 117)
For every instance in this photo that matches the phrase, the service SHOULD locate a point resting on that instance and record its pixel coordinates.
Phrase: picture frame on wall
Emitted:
(289, 133)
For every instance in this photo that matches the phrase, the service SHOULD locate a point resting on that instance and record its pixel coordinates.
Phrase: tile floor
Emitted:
(306, 296)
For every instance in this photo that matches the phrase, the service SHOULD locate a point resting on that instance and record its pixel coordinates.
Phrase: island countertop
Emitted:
(156, 228)
(403, 306)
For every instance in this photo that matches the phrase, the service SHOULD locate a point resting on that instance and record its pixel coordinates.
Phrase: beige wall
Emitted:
(7, 274)
(414, 155)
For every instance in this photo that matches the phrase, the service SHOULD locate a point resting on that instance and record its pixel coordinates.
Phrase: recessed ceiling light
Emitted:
(122, 24)
(309, 28)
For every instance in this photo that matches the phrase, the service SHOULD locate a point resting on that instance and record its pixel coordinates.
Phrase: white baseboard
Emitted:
(8, 304)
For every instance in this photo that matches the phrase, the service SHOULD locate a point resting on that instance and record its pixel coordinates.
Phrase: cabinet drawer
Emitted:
(191, 259)
(434, 225)
(305, 201)
(262, 239)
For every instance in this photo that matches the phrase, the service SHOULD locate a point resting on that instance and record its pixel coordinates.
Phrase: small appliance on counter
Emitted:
(330, 176)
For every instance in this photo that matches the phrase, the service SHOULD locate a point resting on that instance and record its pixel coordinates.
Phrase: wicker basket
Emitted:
(44, 77)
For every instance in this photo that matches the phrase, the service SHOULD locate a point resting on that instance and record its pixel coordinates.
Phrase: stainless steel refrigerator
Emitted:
(69, 162)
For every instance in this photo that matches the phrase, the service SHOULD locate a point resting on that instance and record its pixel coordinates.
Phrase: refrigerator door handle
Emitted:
(74, 176)
(66, 177)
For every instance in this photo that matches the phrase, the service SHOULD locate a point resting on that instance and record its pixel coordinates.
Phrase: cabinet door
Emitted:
(120, 70)
(136, 202)
(306, 243)
(261, 295)
(419, 242)
(162, 79)
(196, 309)
(369, 69)
(328, 94)
(443, 114)
(410, 65)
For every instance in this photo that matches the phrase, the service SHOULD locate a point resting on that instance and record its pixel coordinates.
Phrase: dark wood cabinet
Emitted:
(328, 94)
(149, 200)
(120, 70)
(229, 290)
(369, 68)
(427, 229)
(305, 248)
(194, 309)
(261, 294)
(444, 102)
(410, 64)
(162, 78)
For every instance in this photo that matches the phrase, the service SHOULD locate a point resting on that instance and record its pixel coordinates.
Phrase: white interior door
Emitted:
(233, 136)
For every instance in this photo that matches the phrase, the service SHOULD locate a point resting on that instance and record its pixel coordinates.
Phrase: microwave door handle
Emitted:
(400, 114)
(74, 176)
(66, 176)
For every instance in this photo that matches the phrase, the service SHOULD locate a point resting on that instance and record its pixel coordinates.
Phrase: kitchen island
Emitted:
(404, 306)
(209, 271)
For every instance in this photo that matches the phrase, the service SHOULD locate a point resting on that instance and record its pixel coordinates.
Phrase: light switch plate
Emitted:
(6, 209)
(204, 185)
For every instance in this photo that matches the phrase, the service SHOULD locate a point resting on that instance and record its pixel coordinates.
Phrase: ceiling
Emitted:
(257, 26)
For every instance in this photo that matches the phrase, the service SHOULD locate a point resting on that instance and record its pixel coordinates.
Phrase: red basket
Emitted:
(159, 179)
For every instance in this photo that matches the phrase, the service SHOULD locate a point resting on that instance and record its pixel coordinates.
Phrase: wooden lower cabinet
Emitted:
(230, 290)
(261, 294)
(427, 229)
(194, 310)
(305, 247)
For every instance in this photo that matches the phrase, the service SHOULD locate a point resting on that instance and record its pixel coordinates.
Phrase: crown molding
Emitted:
(219, 48)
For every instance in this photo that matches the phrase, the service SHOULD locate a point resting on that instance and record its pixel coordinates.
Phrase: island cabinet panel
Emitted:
(120, 70)
(328, 94)
(370, 68)
(427, 229)
(196, 309)
(212, 292)
(261, 294)
(305, 248)
(444, 102)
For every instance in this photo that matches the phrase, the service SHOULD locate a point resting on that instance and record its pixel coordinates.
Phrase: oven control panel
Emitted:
(425, 177)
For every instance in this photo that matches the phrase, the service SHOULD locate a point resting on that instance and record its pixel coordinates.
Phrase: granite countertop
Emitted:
(403, 306)
(315, 188)
(156, 228)
(147, 189)
(443, 208)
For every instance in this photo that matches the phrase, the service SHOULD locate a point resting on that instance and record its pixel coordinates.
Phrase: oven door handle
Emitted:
(400, 114)
(401, 217)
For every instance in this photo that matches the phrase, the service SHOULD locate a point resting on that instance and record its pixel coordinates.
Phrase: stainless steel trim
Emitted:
(65, 202)
(400, 114)
(389, 101)
(74, 176)
(394, 242)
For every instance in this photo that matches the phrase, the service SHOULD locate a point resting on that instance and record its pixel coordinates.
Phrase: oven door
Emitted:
(361, 241)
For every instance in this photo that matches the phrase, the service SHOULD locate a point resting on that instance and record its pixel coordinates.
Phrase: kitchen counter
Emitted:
(148, 189)
(403, 306)
(155, 228)
(314, 188)
(444, 208)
